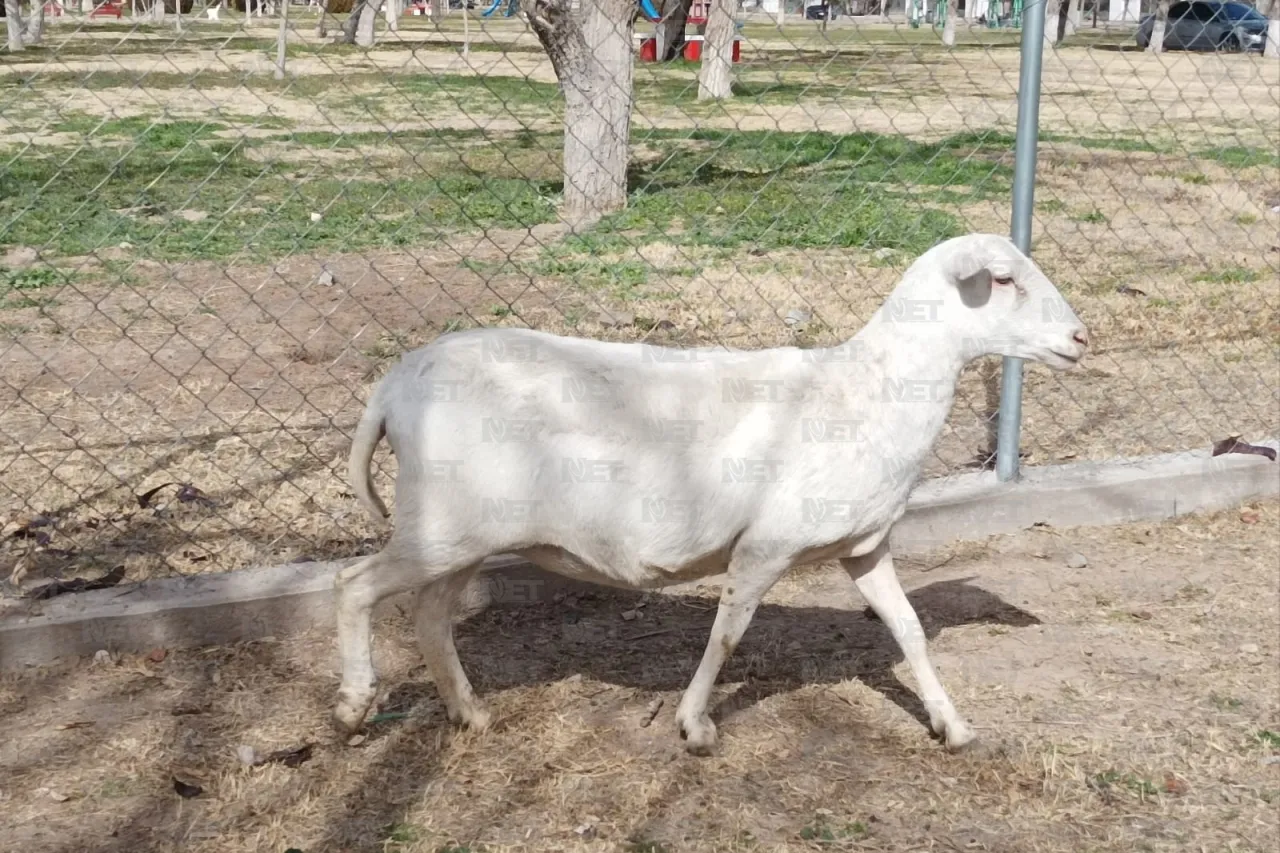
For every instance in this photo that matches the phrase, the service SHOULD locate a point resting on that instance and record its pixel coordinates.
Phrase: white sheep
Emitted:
(638, 466)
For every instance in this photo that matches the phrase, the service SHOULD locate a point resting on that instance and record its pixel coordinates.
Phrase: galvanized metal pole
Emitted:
(1024, 183)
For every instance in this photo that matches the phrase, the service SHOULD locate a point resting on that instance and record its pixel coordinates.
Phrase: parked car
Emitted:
(818, 12)
(1208, 25)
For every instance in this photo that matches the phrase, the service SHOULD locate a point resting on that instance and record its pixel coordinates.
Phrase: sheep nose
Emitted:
(1081, 336)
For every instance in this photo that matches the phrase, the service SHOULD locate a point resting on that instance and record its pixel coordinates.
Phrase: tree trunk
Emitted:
(715, 77)
(156, 10)
(359, 26)
(322, 25)
(466, 30)
(35, 24)
(949, 27)
(437, 10)
(282, 39)
(1064, 18)
(1157, 27)
(392, 13)
(591, 54)
(670, 31)
(1271, 48)
(368, 23)
(13, 24)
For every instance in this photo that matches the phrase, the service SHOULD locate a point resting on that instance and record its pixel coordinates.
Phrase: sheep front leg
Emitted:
(877, 581)
(743, 590)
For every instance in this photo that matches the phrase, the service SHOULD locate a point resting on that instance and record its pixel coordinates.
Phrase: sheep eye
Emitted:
(1003, 279)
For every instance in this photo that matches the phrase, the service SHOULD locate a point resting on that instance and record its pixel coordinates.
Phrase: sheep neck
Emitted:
(907, 374)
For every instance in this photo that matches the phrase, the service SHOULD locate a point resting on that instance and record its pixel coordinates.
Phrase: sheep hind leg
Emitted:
(875, 578)
(434, 622)
(359, 588)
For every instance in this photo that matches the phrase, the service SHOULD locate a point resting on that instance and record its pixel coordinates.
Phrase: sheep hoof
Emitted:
(349, 714)
(959, 737)
(473, 717)
(699, 736)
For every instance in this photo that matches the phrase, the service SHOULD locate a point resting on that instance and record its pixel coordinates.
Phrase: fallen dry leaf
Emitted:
(1233, 444)
(1249, 516)
(185, 790)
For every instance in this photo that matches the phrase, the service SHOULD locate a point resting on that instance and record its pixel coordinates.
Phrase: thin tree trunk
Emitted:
(949, 27)
(1271, 48)
(322, 24)
(715, 77)
(466, 30)
(437, 10)
(591, 54)
(392, 13)
(282, 39)
(356, 20)
(35, 24)
(367, 25)
(1055, 25)
(670, 31)
(1157, 27)
(13, 25)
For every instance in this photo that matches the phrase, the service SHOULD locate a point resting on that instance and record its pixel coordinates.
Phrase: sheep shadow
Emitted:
(785, 647)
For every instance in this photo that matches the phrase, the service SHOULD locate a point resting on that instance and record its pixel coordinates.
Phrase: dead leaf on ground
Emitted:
(187, 493)
(1233, 444)
(186, 790)
(49, 590)
(77, 724)
(287, 757)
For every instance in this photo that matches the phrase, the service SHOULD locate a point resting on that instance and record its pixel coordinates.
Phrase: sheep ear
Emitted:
(967, 270)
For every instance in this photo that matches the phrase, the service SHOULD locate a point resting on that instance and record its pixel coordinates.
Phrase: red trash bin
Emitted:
(649, 50)
(693, 49)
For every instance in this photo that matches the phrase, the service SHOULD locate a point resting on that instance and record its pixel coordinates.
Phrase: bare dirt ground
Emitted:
(1132, 705)
(244, 380)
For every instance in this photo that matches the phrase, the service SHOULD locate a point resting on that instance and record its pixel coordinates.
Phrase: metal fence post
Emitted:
(1024, 180)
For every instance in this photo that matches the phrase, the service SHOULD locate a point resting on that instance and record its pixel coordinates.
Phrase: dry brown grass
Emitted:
(1121, 707)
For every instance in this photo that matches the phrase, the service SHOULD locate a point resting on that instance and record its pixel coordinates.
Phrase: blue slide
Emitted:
(511, 9)
(648, 10)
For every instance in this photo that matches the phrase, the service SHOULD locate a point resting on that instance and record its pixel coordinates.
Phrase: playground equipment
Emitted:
(994, 16)
(996, 19)
(512, 7)
(646, 8)
(697, 19)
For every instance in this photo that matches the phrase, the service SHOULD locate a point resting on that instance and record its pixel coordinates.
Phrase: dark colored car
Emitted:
(1208, 25)
(818, 12)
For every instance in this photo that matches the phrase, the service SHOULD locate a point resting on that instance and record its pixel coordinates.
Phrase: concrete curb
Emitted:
(282, 600)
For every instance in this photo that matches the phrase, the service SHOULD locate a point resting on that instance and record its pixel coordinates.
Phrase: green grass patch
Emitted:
(101, 196)
(143, 130)
(1093, 217)
(1229, 275)
(712, 189)
(1241, 157)
(1268, 738)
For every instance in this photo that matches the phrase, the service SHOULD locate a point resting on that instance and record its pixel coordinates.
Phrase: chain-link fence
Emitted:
(217, 229)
